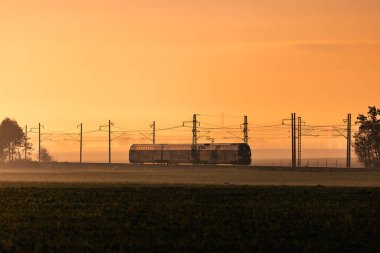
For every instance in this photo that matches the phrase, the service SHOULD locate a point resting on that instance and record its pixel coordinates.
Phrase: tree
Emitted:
(26, 146)
(367, 140)
(12, 140)
(45, 156)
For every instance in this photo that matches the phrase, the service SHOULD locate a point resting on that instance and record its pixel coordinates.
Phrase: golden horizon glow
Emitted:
(66, 62)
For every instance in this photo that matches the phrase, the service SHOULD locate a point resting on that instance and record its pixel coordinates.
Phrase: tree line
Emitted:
(14, 143)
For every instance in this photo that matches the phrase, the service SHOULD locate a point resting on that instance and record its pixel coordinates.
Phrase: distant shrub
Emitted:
(45, 155)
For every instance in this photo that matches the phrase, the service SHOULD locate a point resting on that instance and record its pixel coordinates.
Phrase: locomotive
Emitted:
(226, 153)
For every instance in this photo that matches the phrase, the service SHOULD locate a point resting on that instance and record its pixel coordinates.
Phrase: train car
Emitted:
(145, 153)
(226, 153)
(177, 153)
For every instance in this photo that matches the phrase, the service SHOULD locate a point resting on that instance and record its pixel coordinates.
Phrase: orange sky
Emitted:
(65, 62)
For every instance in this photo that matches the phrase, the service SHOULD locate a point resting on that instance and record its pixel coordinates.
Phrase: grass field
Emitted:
(48, 217)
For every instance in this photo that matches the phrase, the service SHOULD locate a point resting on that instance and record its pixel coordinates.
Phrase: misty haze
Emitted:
(189, 126)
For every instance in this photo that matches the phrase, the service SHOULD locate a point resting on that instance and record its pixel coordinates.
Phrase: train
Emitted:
(225, 153)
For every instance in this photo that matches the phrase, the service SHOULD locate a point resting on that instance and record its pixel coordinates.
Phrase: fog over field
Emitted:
(189, 174)
(262, 157)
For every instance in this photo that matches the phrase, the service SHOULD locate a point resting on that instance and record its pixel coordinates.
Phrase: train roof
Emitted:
(201, 146)
(146, 147)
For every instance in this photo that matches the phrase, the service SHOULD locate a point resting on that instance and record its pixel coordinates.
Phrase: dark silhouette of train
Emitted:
(227, 153)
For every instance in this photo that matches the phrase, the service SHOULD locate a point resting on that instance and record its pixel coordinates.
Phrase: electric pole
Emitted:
(109, 138)
(348, 161)
(299, 136)
(194, 130)
(39, 142)
(299, 142)
(26, 142)
(245, 129)
(80, 141)
(109, 141)
(154, 131)
(195, 138)
(293, 125)
(39, 138)
(293, 140)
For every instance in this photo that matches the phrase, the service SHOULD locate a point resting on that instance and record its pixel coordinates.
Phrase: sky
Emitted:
(135, 61)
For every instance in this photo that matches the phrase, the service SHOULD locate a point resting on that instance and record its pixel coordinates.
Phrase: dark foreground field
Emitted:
(142, 218)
